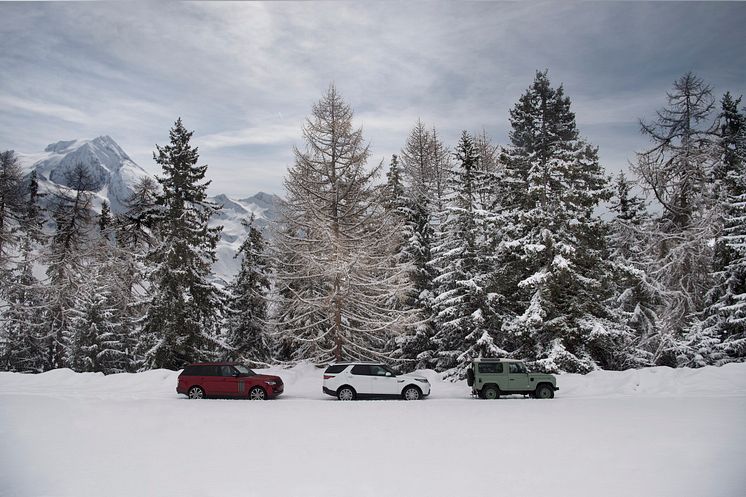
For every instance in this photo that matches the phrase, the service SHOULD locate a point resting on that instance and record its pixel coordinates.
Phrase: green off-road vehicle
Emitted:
(491, 378)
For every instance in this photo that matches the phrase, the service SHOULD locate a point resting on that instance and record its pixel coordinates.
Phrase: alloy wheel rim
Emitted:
(411, 394)
(257, 394)
(345, 394)
(195, 393)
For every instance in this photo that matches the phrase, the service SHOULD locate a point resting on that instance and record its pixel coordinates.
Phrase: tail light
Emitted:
(328, 376)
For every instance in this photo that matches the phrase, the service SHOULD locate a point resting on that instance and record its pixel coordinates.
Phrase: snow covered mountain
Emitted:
(264, 208)
(115, 174)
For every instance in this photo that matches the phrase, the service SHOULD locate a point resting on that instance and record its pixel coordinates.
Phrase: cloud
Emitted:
(245, 75)
(44, 109)
(271, 134)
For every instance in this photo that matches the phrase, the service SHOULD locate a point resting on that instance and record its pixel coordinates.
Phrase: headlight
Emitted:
(270, 382)
(421, 380)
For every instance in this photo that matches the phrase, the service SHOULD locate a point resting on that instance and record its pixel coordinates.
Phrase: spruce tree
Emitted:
(247, 335)
(11, 204)
(464, 316)
(721, 335)
(21, 335)
(552, 250)
(183, 319)
(413, 244)
(635, 296)
(104, 219)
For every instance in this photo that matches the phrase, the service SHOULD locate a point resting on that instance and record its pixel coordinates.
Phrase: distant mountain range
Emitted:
(115, 173)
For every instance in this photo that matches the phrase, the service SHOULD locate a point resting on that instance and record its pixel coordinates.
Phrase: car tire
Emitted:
(490, 393)
(196, 392)
(346, 393)
(544, 391)
(411, 393)
(257, 393)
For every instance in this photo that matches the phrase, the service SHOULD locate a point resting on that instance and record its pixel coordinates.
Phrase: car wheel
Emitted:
(257, 393)
(491, 393)
(196, 393)
(544, 392)
(412, 393)
(346, 393)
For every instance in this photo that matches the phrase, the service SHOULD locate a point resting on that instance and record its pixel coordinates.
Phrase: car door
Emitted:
(490, 373)
(383, 381)
(230, 385)
(211, 381)
(517, 377)
(360, 379)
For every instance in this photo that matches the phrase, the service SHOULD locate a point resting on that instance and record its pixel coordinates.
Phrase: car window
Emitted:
(490, 367)
(516, 367)
(361, 369)
(226, 370)
(190, 371)
(244, 370)
(335, 368)
(376, 370)
(208, 371)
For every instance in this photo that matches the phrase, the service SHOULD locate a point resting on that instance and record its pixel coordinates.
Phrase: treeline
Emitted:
(525, 250)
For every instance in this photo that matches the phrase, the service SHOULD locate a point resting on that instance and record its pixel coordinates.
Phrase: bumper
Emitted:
(329, 391)
(276, 390)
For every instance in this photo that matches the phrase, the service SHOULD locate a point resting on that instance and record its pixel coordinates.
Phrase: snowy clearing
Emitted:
(651, 432)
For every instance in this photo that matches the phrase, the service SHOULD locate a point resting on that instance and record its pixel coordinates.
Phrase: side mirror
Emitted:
(236, 374)
(388, 373)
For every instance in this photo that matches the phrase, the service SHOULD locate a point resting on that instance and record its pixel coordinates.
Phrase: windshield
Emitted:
(244, 370)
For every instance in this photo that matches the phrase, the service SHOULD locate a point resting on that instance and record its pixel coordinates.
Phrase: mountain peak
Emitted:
(60, 146)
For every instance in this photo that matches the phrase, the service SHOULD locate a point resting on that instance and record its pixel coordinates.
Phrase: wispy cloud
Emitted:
(270, 134)
(42, 109)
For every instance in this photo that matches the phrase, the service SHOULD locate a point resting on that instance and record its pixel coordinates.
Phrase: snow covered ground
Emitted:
(653, 432)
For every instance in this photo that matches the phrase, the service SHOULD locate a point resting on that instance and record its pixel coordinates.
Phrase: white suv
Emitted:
(357, 380)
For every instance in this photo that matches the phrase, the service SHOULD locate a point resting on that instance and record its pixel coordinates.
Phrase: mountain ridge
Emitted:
(115, 174)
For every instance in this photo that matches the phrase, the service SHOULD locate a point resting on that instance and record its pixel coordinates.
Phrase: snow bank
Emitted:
(304, 382)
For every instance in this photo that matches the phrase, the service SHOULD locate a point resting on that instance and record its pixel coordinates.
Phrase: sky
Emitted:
(244, 76)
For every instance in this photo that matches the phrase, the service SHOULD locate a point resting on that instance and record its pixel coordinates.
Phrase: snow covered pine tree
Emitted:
(464, 314)
(553, 245)
(246, 324)
(183, 320)
(21, 340)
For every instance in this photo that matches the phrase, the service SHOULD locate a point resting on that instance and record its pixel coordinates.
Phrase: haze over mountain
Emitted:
(114, 175)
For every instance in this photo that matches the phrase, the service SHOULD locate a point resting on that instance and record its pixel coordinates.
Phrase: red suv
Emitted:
(227, 379)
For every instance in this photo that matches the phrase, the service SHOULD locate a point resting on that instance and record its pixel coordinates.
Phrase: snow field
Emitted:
(650, 432)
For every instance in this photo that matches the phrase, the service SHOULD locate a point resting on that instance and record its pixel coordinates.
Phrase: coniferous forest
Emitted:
(527, 249)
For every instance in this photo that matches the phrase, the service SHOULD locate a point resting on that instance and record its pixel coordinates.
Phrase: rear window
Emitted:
(335, 368)
(190, 371)
(361, 369)
(490, 367)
